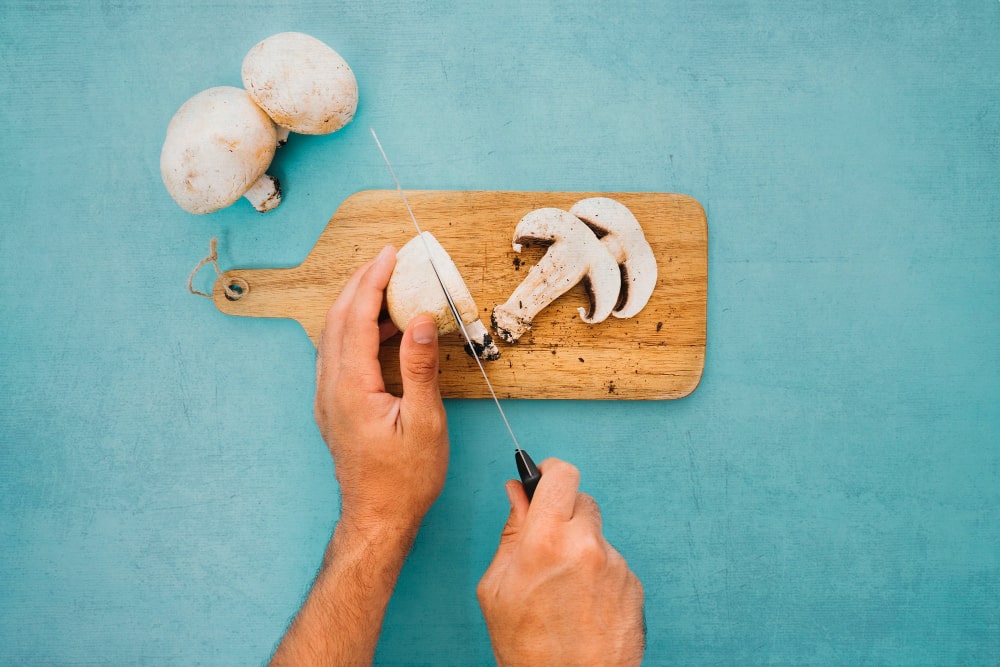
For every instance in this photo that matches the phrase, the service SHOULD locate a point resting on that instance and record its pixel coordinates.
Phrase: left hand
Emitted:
(390, 453)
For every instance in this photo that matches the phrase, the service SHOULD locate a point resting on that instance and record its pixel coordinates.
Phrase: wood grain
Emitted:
(659, 354)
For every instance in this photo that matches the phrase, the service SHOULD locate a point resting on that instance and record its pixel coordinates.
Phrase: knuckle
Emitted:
(421, 367)
(589, 505)
(590, 554)
(428, 422)
(545, 548)
(437, 424)
(561, 469)
(322, 407)
(483, 589)
(336, 316)
(637, 589)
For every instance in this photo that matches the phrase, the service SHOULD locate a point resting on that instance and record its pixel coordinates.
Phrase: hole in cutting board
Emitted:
(236, 288)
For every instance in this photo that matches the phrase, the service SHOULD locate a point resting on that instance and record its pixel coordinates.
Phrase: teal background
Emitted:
(830, 494)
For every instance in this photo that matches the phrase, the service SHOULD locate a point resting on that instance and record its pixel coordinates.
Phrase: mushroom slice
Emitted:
(218, 146)
(574, 255)
(414, 289)
(622, 235)
(303, 84)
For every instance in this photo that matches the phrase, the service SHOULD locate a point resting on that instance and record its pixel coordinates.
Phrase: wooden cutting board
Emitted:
(658, 354)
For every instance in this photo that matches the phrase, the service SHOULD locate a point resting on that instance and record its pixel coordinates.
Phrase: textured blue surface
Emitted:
(829, 495)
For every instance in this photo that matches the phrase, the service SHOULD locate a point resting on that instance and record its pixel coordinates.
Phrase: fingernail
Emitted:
(424, 332)
(383, 254)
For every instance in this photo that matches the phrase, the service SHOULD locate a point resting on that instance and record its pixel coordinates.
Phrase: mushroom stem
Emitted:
(265, 193)
(545, 282)
(482, 342)
(283, 133)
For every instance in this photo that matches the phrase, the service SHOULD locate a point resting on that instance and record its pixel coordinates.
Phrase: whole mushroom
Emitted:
(574, 255)
(218, 147)
(414, 289)
(302, 84)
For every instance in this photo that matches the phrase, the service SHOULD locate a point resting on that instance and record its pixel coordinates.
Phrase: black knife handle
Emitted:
(528, 472)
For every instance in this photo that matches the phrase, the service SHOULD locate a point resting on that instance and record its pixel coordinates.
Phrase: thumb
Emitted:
(509, 537)
(515, 520)
(418, 361)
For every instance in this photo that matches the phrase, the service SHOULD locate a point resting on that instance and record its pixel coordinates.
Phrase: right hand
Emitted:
(557, 593)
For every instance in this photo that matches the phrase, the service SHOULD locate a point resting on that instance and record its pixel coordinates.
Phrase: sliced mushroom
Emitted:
(621, 233)
(218, 146)
(303, 84)
(574, 255)
(414, 289)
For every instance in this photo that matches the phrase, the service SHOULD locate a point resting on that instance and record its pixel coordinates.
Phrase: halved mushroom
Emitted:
(218, 147)
(621, 234)
(303, 84)
(574, 255)
(414, 289)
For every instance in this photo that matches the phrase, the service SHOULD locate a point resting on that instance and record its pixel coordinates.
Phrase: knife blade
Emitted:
(526, 468)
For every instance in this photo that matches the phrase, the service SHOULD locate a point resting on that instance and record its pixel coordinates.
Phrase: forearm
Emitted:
(340, 621)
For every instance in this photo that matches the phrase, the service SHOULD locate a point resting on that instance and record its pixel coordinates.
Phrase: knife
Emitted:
(526, 468)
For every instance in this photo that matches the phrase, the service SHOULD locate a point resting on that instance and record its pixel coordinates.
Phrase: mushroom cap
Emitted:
(414, 289)
(621, 233)
(218, 144)
(301, 83)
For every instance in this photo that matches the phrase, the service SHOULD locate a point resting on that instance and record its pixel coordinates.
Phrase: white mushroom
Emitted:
(574, 255)
(218, 146)
(303, 84)
(622, 235)
(414, 289)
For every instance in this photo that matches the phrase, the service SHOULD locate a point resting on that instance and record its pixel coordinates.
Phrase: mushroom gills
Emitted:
(574, 255)
(414, 289)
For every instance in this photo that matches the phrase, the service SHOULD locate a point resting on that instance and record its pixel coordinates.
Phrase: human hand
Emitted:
(557, 593)
(390, 453)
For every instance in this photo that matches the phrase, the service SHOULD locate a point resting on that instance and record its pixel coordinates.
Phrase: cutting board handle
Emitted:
(250, 291)
(273, 292)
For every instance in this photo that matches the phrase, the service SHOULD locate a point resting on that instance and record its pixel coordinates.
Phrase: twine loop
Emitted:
(213, 257)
